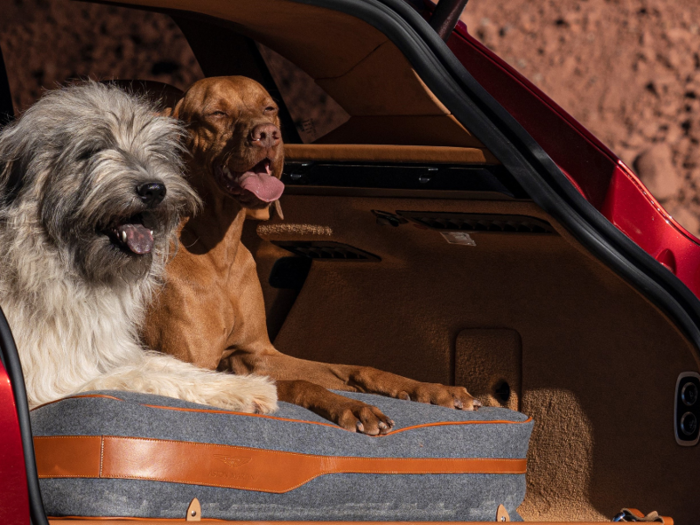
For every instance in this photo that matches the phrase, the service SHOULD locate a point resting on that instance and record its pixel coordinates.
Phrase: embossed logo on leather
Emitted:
(233, 461)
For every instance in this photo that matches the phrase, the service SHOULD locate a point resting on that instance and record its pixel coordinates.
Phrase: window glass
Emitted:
(314, 112)
(48, 42)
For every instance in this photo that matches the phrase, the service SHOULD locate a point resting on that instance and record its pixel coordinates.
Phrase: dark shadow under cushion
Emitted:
(422, 432)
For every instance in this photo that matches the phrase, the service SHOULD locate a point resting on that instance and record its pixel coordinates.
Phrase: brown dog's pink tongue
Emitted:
(265, 187)
(139, 239)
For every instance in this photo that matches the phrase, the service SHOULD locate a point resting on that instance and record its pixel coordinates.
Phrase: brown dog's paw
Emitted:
(445, 396)
(347, 413)
(357, 416)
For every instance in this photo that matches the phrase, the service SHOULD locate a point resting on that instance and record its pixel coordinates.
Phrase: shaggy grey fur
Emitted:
(77, 155)
(73, 284)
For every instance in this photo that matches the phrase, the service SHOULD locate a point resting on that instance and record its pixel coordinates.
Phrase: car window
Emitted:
(79, 41)
(314, 112)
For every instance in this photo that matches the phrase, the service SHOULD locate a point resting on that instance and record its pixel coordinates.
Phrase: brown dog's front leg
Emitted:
(368, 379)
(349, 414)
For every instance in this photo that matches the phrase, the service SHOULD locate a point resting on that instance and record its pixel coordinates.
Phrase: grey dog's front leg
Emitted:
(166, 376)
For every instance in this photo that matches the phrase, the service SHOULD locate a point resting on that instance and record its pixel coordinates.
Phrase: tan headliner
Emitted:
(352, 61)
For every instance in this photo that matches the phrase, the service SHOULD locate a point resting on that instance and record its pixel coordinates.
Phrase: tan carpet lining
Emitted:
(598, 362)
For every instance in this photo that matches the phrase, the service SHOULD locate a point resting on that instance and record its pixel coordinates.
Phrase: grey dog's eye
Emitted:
(270, 108)
(88, 153)
(218, 114)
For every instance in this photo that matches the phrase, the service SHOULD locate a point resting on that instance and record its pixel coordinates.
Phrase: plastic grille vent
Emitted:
(327, 251)
(472, 222)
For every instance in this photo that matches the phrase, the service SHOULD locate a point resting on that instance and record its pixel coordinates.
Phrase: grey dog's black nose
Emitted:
(151, 193)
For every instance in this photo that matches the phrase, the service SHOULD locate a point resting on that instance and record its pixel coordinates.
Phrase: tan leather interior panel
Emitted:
(387, 153)
(71, 457)
(424, 130)
(354, 63)
(291, 29)
(382, 84)
(229, 466)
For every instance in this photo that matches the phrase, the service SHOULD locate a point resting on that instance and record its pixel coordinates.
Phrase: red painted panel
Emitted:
(14, 499)
(634, 211)
(592, 168)
(567, 142)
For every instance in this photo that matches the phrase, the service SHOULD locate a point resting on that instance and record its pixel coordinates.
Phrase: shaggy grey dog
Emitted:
(91, 195)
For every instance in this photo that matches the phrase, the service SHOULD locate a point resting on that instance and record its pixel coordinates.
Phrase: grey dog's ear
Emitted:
(11, 168)
(11, 180)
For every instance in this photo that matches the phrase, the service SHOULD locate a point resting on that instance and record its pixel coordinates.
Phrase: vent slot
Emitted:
(327, 251)
(475, 222)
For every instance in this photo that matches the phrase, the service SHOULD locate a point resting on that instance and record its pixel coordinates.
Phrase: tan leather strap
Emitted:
(228, 466)
(502, 514)
(387, 153)
(194, 511)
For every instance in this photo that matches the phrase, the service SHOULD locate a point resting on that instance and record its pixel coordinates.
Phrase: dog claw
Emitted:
(383, 426)
(476, 404)
(360, 427)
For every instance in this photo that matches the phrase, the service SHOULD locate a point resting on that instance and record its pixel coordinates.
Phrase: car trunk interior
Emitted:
(524, 320)
(464, 282)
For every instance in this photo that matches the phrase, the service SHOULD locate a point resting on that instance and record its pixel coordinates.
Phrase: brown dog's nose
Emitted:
(265, 135)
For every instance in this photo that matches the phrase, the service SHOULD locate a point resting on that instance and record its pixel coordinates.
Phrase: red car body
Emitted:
(592, 168)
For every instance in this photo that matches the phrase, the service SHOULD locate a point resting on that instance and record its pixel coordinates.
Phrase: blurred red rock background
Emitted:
(629, 70)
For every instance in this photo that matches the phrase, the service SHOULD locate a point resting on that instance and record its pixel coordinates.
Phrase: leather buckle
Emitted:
(194, 511)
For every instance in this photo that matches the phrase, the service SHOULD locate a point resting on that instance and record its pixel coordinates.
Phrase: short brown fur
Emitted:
(211, 311)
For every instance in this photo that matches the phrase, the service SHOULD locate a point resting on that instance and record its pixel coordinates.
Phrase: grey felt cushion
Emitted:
(395, 497)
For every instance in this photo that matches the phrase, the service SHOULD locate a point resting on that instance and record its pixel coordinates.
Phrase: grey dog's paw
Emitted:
(251, 394)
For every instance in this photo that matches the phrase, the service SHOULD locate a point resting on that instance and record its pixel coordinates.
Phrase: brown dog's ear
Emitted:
(165, 112)
(175, 112)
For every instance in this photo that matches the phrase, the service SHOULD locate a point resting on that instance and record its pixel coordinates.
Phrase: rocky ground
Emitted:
(629, 70)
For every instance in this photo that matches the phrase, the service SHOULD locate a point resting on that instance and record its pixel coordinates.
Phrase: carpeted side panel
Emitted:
(599, 362)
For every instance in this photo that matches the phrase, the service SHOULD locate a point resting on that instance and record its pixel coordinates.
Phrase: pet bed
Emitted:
(120, 454)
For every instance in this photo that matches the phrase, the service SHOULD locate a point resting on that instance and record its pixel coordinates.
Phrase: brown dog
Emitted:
(211, 312)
